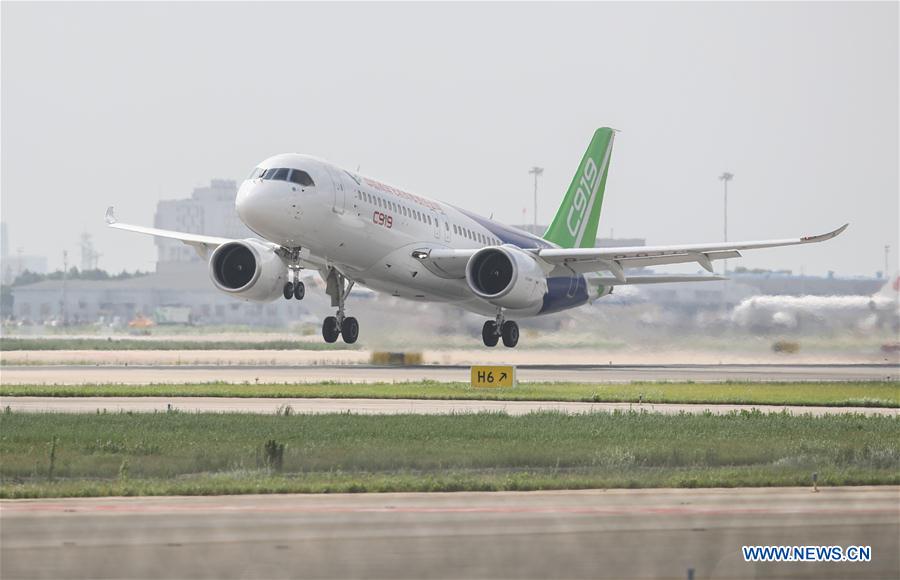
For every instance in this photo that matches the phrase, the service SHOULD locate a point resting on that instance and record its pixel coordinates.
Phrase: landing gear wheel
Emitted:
(299, 290)
(288, 290)
(510, 332)
(489, 333)
(350, 330)
(330, 330)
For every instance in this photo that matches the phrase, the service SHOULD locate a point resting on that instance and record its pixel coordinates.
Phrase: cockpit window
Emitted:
(283, 174)
(257, 172)
(301, 178)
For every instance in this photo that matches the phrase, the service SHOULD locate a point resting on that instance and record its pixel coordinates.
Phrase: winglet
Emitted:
(111, 215)
(823, 237)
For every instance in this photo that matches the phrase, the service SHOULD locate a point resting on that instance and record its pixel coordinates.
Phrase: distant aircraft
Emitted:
(764, 313)
(309, 213)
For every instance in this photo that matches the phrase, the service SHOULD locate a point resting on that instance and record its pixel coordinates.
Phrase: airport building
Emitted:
(14, 263)
(209, 211)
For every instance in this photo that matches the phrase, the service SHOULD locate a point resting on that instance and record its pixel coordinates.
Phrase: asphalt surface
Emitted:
(85, 374)
(386, 406)
(561, 534)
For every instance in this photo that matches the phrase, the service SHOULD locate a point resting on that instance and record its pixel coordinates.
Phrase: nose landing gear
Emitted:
(347, 327)
(294, 288)
(494, 330)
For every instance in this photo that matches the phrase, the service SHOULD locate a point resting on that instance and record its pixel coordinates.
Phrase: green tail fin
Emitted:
(575, 224)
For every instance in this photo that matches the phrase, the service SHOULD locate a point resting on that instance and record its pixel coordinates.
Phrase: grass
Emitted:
(31, 344)
(203, 453)
(843, 394)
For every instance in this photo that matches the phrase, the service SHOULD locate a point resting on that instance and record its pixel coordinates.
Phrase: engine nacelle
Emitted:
(507, 277)
(248, 269)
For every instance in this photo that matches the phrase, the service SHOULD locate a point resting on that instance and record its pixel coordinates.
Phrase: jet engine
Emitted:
(248, 269)
(507, 277)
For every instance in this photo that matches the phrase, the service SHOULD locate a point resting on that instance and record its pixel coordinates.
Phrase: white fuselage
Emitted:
(368, 230)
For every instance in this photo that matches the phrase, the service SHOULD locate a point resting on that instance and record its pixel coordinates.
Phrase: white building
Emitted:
(13, 263)
(209, 210)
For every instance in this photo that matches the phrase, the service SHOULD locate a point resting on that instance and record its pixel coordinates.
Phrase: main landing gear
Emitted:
(494, 330)
(346, 327)
(294, 288)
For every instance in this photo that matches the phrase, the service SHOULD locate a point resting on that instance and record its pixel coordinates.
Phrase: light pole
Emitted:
(725, 178)
(536, 171)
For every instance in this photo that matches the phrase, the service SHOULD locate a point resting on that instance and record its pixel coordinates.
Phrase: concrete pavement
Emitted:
(558, 534)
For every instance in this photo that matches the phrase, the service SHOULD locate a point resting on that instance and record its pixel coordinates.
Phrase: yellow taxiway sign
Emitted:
(493, 376)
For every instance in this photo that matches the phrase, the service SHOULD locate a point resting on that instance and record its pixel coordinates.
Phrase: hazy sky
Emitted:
(126, 104)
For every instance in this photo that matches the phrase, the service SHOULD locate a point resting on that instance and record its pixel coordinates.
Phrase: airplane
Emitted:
(857, 312)
(352, 229)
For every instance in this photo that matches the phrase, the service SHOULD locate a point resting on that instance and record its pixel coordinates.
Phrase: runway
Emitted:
(560, 534)
(388, 406)
(141, 375)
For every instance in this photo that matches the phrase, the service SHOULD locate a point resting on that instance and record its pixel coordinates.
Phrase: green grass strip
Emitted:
(843, 394)
(53, 454)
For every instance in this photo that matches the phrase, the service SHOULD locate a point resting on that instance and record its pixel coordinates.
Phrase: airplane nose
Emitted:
(263, 206)
(250, 205)
(242, 201)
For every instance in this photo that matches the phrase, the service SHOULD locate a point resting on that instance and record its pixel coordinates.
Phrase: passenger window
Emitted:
(301, 178)
(429, 219)
(447, 226)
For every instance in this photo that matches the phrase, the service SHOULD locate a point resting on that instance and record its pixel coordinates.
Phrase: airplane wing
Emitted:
(615, 260)
(613, 281)
(202, 244)
(451, 263)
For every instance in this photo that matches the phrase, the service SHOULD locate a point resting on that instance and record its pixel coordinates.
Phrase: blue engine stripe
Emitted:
(564, 293)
